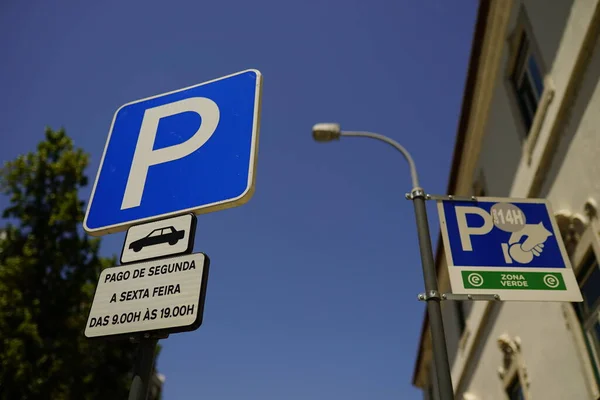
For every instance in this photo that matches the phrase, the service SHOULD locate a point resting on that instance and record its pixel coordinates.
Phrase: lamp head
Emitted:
(326, 132)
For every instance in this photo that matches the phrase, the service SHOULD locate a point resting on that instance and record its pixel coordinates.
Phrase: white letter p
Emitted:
(466, 231)
(144, 156)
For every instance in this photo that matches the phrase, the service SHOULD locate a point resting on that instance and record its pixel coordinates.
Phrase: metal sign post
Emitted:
(208, 131)
(142, 369)
(432, 296)
(327, 132)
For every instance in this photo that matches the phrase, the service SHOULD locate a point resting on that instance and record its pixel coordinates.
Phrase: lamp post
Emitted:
(327, 132)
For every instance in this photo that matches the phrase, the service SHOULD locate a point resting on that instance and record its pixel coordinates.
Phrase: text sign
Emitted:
(509, 247)
(166, 295)
(158, 239)
(191, 150)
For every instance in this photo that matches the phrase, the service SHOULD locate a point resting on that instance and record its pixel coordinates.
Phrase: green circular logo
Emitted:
(475, 279)
(551, 281)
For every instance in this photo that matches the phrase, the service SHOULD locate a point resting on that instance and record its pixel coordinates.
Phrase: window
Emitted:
(581, 235)
(512, 372)
(527, 80)
(588, 311)
(515, 389)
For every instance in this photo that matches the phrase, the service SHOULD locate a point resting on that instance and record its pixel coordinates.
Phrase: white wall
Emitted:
(548, 20)
(503, 143)
(575, 172)
(560, 69)
(549, 352)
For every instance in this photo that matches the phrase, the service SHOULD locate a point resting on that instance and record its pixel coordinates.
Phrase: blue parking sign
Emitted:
(493, 234)
(190, 150)
(508, 247)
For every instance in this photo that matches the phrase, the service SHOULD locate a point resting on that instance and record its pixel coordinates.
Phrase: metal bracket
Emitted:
(416, 192)
(450, 197)
(431, 295)
(420, 193)
(473, 297)
(458, 297)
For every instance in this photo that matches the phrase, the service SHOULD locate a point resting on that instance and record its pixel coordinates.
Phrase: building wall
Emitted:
(548, 351)
(574, 175)
(553, 362)
(503, 147)
(561, 71)
(548, 22)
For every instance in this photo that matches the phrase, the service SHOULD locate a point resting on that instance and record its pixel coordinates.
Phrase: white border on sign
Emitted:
(220, 205)
(571, 293)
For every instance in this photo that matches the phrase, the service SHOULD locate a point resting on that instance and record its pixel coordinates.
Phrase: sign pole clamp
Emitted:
(431, 295)
(434, 295)
(418, 192)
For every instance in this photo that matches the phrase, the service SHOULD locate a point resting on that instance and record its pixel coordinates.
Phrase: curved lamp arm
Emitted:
(327, 132)
(394, 144)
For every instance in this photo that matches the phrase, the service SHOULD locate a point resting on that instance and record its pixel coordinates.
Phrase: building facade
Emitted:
(529, 127)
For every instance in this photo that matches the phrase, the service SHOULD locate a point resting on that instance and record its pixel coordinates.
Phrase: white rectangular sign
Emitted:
(159, 239)
(163, 295)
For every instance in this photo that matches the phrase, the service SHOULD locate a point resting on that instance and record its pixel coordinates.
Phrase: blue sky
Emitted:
(313, 283)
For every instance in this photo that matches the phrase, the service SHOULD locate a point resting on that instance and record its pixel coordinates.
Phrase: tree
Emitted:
(48, 273)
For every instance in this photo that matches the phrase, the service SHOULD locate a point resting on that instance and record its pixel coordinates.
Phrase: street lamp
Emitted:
(327, 132)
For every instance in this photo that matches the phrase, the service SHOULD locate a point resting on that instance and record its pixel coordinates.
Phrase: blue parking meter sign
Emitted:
(190, 150)
(509, 247)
